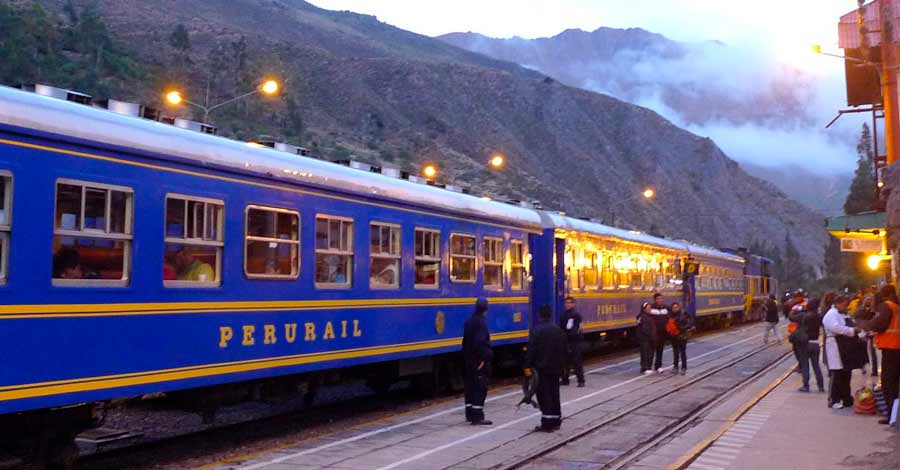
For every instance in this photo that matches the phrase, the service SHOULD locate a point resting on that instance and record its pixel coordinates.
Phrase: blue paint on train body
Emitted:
(147, 340)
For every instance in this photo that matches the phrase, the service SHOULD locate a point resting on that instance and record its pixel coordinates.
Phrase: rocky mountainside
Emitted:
(356, 85)
(710, 87)
(824, 193)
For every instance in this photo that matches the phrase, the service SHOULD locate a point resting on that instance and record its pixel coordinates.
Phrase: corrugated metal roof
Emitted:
(848, 29)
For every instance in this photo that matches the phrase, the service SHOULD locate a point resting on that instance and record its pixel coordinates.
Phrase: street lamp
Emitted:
(647, 193)
(175, 97)
(430, 171)
(497, 161)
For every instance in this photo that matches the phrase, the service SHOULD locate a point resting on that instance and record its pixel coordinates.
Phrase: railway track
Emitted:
(631, 455)
(304, 423)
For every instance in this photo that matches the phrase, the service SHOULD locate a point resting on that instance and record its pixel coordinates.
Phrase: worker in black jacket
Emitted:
(547, 354)
(571, 324)
(477, 353)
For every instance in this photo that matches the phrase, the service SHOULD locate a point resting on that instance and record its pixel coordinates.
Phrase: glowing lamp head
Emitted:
(873, 261)
(649, 193)
(429, 171)
(881, 184)
(174, 97)
(497, 161)
(269, 87)
(817, 48)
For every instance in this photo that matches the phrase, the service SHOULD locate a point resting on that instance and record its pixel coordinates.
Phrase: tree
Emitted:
(862, 190)
(180, 39)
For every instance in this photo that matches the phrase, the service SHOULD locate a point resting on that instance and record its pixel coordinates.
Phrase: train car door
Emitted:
(562, 281)
(542, 267)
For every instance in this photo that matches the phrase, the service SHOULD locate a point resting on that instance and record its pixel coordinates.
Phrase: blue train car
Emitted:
(143, 258)
(611, 271)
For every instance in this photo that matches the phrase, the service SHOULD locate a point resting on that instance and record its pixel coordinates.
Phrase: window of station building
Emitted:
(516, 265)
(384, 256)
(272, 248)
(493, 263)
(92, 234)
(5, 221)
(428, 258)
(462, 258)
(193, 241)
(334, 251)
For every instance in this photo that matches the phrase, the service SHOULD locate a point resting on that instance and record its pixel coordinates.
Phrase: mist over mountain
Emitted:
(761, 111)
(355, 86)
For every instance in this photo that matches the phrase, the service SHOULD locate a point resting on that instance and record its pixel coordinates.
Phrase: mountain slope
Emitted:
(388, 95)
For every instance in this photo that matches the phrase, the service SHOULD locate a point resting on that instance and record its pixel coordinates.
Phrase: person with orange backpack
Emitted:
(886, 326)
(677, 329)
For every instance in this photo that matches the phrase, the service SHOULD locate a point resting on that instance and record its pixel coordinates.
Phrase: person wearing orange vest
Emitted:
(886, 326)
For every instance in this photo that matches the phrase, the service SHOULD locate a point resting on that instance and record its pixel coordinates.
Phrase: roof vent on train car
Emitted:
(128, 109)
(393, 172)
(454, 188)
(535, 205)
(417, 179)
(196, 126)
(360, 165)
(58, 93)
(282, 146)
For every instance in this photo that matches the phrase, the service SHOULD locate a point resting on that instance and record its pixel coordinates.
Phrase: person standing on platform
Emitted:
(840, 354)
(660, 316)
(547, 354)
(865, 311)
(886, 326)
(679, 342)
(571, 324)
(646, 335)
(806, 345)
(477, 353)
(771, 319)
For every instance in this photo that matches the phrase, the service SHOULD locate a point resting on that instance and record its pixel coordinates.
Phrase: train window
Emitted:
(462, 258)
(384, 256)
(92, 234)
(428, 258)
(334, 251)
(193, 241)
(591, 270)
(493, 263)
(516, 265)
(5, 221)
(272, 244)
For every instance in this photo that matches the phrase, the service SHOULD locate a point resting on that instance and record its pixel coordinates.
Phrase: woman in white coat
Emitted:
(835, 324)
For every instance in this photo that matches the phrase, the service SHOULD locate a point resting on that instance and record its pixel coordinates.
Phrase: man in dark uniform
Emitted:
(478, 355)
(571, 324)
(547, 354)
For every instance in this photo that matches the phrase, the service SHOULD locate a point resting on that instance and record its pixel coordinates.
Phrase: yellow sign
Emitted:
(271, 334)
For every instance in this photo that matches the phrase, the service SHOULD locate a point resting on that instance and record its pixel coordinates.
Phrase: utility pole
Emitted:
(889, 90)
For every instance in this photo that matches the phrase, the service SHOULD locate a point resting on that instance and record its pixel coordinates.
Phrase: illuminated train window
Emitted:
(384, 256)
(493, 263)
(516, 265)
(462, 258)
(5, 221)
(193, 241)
(428, 258)
(334, 251)
(272, 243)
(92, 234)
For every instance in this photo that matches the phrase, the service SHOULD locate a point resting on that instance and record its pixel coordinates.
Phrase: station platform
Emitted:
(792, 430)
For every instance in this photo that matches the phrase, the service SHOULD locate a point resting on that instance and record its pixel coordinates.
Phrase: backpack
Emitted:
(672, 328)
(800, 335)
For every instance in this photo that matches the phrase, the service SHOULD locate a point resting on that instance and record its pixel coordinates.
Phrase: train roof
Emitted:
(56, 116)
(569, 223)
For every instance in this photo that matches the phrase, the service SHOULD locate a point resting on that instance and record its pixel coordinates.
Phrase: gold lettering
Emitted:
(356, 331)
(269, 334)
(248, 335)
(310, 331)
(225, 335)
(329, 331)
(343, 328)
(290, 332)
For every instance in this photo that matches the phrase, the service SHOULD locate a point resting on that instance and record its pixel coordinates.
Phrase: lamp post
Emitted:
(175, 97)
(647, 194)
